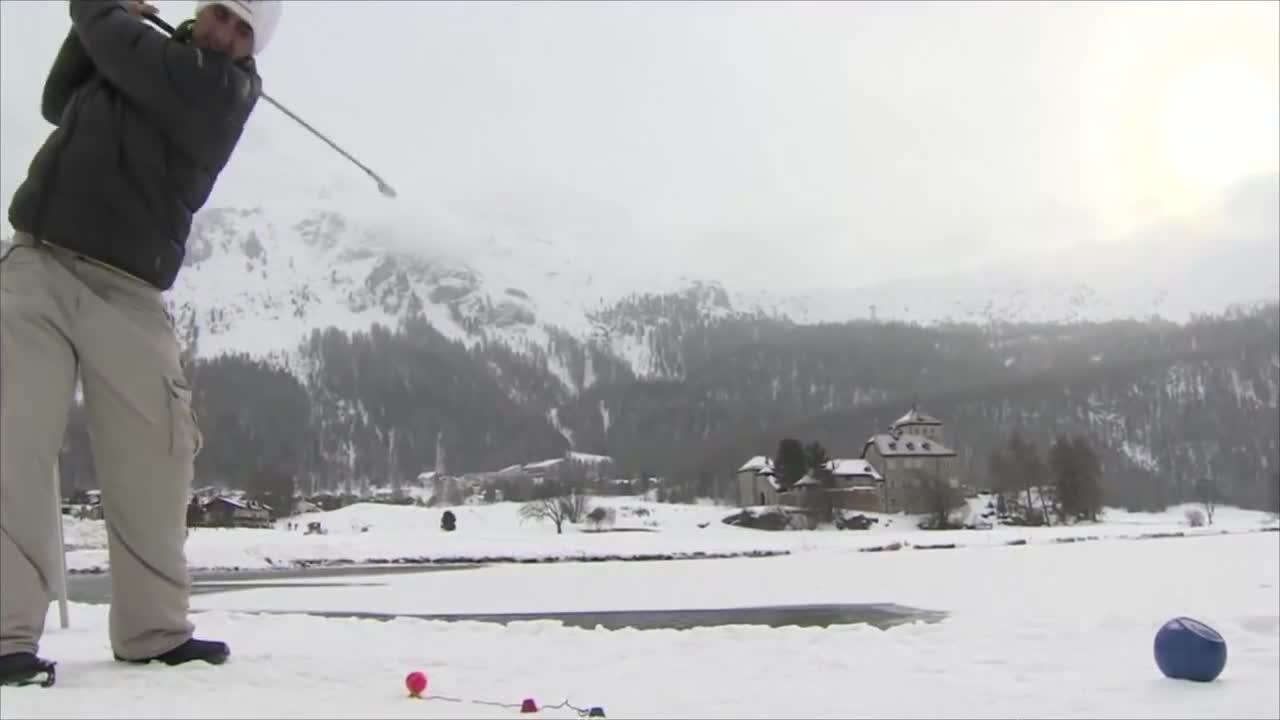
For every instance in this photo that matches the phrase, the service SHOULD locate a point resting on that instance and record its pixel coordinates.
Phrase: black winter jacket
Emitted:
(145, 123)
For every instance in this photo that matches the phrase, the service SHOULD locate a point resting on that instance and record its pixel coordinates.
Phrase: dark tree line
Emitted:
(1163, 404)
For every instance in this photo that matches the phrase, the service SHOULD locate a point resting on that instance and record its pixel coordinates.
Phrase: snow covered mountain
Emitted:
(258, 281)
(260, 278)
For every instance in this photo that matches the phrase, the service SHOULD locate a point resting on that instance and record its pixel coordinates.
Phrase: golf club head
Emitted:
(385, 189)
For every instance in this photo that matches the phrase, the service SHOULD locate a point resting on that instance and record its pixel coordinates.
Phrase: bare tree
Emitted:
(576, 507)
(1273, 494)
(1015, 470)
(545, 509)
(1207, 493)
(559, 510)
(935, 496)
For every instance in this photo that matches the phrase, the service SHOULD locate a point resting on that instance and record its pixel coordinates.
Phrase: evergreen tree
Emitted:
(1088, 490)
(790, 463)
(816, 459)
(1066, 478)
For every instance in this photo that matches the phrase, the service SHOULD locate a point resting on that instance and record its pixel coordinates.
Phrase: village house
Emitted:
(595, 469)
(226, 511)
(910, 453)
(327, 501)
(757, 484)
(855, 485)
(543, 470)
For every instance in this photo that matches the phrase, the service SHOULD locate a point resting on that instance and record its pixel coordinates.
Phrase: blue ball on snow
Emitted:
(1187, 649)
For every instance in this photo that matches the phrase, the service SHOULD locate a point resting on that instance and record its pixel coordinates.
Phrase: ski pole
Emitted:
(63, 614)
(383, 187)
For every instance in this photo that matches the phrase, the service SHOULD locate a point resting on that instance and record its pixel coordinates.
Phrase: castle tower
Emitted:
(916, 422)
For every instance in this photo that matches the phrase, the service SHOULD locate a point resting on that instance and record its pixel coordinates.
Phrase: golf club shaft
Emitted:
(383, 187)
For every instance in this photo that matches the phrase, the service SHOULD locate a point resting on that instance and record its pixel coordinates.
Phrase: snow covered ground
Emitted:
(370, 532)
(1053, 630)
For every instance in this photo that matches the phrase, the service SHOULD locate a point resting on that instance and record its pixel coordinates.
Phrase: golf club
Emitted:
(383, 187)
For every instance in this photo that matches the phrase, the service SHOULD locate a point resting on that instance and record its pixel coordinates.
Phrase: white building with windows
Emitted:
(910, 454)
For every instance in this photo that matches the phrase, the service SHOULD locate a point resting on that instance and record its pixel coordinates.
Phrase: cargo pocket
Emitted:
(17, 276)
(184, 430)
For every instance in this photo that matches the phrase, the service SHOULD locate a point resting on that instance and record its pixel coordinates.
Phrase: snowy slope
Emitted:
(260, 279)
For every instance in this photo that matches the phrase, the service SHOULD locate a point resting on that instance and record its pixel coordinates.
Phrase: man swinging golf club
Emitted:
(144, 124)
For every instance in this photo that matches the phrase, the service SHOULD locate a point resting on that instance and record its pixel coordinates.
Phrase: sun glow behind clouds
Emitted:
(1180, 104)
(1221, 125)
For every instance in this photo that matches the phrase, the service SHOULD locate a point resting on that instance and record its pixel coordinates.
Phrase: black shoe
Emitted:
(21, 668)
(210, 651)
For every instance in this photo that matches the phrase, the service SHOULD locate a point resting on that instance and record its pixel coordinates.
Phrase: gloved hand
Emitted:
(182, 33)
(141, 8)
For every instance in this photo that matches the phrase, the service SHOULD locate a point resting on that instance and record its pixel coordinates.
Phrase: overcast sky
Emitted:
(799, 143)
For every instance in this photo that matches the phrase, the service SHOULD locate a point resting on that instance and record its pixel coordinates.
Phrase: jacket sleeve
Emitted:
(168, 78)
(70, 69)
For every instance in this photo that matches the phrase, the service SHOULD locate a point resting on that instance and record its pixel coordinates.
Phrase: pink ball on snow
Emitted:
(416, 682)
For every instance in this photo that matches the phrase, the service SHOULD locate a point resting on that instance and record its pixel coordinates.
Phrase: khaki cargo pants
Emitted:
(62, 315)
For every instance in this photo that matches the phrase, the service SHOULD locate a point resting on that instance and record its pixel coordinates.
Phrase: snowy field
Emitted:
(1042, 630)
(370, 533)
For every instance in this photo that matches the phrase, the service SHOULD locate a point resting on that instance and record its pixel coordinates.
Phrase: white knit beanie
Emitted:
(262, 16)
